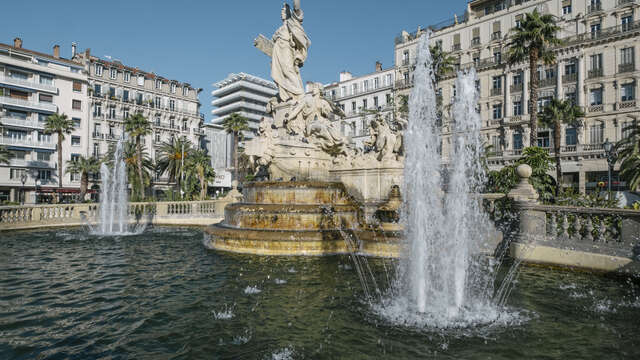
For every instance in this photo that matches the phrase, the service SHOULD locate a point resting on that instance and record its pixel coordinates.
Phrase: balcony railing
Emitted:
(97, 135)
(28, 84)
(31, 163)
(455, 47)
(27, 123)
(516, 88)
(628, 104)
(548, 82)
(475, 41)
(595, 73)
(592, 147)
(596, 108)
(626, 2)
(4, 140)
(623, 68)
(594, 8)
(496, 35)
(5, 100)
(569, 78)
(401, 84)
(496, 91)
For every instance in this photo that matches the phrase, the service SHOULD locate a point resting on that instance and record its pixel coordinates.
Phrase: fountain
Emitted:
(114, 199)
(442, 280)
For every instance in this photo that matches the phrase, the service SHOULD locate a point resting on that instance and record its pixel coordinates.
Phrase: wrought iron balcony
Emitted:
(496, 35)
(596, 108)
(475, 41)
(455, 47)
(623, 68)
(548, 82)
(594, 8)
(496, 91)
(627, 104)
(516, 88)
(595, 73)
(569, 78)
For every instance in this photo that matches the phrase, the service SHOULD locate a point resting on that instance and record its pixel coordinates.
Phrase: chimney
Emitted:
(345, 75)
(56, 51)
(17, 43)
(74, 48)
(378, 66)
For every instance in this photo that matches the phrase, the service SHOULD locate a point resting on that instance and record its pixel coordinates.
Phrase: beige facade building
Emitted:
(596, 68)
(354, 95)
(34, 85)
(117, 91)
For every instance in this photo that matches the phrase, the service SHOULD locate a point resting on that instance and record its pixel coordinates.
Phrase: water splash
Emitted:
(114, 198)
(442, 281)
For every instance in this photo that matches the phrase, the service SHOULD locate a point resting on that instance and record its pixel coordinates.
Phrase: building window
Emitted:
(497, 111)
(388, 80)
(627, 22)
(44, 175)
(517, 141)
(126, 76)
(517, 108)
(596, 97)
(353, 106)
(158, 84)
(354, 89)
(97, 110)
(627, 129)
(158, 102)
(365, 86)
(48, 80)
(405, 57)
(566, 8)
(543, 139)
(626, 56)
(45, 98)
(76, 104)
(517, 79)
(173, 88)
(125, 95)
(113, 73)
(172, 105)
(77, 122)
(375, 102)
(570, 69)
(125, 113)
(596, 61)
(497, 82)
(77, 86)
(497, 56)
(43, 156)
(571, 136)
(596, 134)
(97, 89)
(364, 104)
(595, 30)
(185, 91)
(98, 69)
(571, 96)
(376, 83)
(140, 80)
(628, 92)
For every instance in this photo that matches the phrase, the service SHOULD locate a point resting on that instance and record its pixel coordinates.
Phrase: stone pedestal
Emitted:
(293, 158)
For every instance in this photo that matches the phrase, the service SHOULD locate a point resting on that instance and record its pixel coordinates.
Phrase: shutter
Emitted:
(476, 33)
(566, 3)
(456, 39)
(496, 26)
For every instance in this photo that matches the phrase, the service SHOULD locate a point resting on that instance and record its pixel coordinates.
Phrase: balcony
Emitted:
(112, 137)
(496, 35)
(568, 149)
(596, 108)
(595, 73)
(626, 2)
(594, 8)
(548, 82)
(23, 123)
(592, 147)
(28, 84)
(627, 104)
(405, 62)
(516, 88)
(456, 47)
(97, 136)
(475, 41)
(496, 91)
(624, 68)
(27, 142)
(46, 107)
(401, 84)
(31, 163)
(569, 78)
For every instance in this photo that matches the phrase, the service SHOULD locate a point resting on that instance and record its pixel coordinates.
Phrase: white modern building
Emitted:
(34, 85)
(355, 95)
(596, 68)
(219, 146)
(245, 94)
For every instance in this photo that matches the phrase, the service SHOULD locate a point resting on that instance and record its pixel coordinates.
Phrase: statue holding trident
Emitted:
(288, 51)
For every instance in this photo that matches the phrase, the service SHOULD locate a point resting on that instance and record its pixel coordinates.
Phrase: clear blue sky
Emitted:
(202, 41)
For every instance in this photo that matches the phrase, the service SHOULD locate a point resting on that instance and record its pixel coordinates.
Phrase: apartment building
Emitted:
(219, 146)
(245, 94)
(117, 91)
(596, 68)
(33, 86)
(355, 95)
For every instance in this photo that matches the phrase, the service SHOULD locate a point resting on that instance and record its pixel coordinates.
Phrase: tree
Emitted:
(138, 126)
(171, 158)
(85, 167)
(235, 124)
(629, 155)
(556, 113)
(5, 155)
(59, 124)
(199, 165)
(441, 61)
(533, 40)
(130, 158)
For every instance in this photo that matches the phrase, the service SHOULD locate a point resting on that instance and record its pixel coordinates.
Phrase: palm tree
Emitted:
(171, 158)
(85, 167)
(138, 126)
(200, 166)
(5, 155)
(235, 124)
(130, 158)
(533, 40)
(442, 62)
(556, 113)
(60, 125)
(629, 155)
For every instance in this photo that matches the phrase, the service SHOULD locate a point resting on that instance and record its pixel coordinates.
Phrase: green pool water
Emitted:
(65, 294)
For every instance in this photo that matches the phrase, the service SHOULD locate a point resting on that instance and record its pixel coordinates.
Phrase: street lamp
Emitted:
(612, 156)
(23, 179)
(37, 189)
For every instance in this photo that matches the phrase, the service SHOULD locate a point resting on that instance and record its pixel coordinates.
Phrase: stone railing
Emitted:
(602, 239)
(169, 213)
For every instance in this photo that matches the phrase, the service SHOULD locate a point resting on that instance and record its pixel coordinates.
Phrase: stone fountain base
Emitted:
(299, 218)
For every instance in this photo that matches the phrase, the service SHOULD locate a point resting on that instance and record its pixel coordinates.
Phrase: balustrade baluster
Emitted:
(602, 230)
(553, 228)
(589, 228)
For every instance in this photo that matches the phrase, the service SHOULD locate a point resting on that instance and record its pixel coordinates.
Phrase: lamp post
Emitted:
(23, 179)
(612, 156)
(37, 189)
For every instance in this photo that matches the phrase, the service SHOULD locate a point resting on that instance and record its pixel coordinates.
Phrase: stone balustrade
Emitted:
(167, 213)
